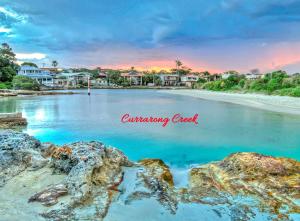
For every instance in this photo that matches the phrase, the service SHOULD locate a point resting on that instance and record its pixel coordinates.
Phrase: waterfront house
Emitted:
(253, 76)
(43, 77)
(169, 79)
(226, 75)
(53, 70)
(135, 78)
(101, 80)
(189, 80)
(69, 79)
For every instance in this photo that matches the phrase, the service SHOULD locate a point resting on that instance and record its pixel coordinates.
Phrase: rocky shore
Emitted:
(9, 120)
(89, 181)
(9, 93)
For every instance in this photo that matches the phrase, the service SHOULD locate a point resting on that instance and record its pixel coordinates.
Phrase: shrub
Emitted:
(287, 82)
(5, 85)
(242, 83)
(294, 92)
(24, 83)
(274, 84)
(257, 85)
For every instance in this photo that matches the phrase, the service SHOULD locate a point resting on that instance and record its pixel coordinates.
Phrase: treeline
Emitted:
(277, 83)
(8, 72)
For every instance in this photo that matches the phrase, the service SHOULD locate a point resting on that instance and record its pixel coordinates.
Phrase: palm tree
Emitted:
(178, 65)
(54, 63)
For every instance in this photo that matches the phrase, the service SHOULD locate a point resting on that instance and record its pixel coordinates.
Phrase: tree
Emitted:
(8, 68)
(29, 64)
(25, 83)
(54, 63)
(113, 77)
(255, 71)
(178, 65)
(7, 53)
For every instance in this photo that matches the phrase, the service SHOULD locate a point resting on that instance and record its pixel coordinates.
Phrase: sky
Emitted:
(214, 35)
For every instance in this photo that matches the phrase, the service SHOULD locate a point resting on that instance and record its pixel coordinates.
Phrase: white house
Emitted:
(251, 76)
(169, 79)
(188, 80)
(226, 75)
(68, 79)
(135, 78)
(43, 77)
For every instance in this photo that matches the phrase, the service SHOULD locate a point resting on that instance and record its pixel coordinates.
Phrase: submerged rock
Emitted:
(156, 177)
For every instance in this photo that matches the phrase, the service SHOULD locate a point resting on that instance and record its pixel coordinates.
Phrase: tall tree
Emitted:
(54, 63)
(178, 65)
(8, 67)
(29, 64)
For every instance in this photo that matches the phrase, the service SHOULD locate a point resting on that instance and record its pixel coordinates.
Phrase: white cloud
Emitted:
(4, 30)
(13, 14)
(37, 56)
(8, 12)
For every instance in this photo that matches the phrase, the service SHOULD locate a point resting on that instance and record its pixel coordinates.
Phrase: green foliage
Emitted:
(114, 77)
(274, 84)
(148, 78)
(201, 80)
(277, 82)
(54, 63)
(8, 67)
(242, 83)
(24, 83)
(5, 85)
(294, 92)
(257, 85)
(7, 73)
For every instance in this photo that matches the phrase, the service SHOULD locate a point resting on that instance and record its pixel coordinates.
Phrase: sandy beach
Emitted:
(282, 104)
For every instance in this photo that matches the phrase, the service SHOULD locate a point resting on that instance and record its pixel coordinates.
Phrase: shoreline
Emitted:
(279, 104)
(14, 93)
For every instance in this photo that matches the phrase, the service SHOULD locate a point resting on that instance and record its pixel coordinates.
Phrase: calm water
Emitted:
(223, 128)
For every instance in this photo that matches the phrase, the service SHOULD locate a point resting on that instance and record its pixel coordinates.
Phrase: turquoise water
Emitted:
(223, 128)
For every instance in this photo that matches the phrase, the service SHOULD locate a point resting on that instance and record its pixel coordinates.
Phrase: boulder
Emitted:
(18, 151)
(274, 182)
(93, 174)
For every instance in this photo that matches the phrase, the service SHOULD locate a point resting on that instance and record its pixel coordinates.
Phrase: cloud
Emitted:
(4, 30)
(216, 34)
(37, 56)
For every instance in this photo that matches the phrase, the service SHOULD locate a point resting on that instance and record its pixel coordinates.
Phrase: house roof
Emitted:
(132, 74)
(28, 68)
(38, 75)
(67, 74)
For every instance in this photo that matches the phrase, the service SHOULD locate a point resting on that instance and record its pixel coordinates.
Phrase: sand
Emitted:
(281, 104)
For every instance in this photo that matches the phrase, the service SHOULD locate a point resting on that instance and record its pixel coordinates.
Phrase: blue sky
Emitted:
(214, 35)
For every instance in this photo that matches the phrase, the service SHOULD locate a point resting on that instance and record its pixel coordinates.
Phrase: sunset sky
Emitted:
(215, 35)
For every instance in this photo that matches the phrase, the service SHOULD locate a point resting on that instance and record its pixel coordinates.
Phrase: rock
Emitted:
(159, 180)
(10, 120)
(274, 182)
(49, 196)
(158, 169)
(93, 174)
(18, 151)
(47, 149)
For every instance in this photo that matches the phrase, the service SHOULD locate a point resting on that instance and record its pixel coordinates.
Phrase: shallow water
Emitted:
(223, 128)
